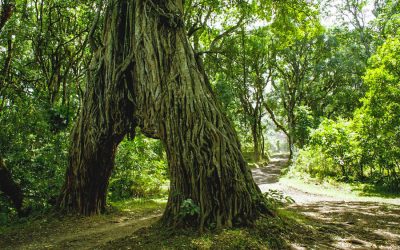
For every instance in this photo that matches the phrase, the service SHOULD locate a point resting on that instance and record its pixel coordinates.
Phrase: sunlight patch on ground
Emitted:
(77, 232)
(297, 247)
(355, 225)
(332, 192)
(387, 234)
(353, 243)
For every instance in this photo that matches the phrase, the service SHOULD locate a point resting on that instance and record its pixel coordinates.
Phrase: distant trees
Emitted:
(299, 49)
(243, 75)
(366, 146)
(278, 70)
(298, 70)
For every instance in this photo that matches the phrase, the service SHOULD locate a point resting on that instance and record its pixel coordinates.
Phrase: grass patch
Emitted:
(372, 190)
(139, 205)
(330, 187)
(313, 226)
(39, 229)
(280, 232)
(249, 157)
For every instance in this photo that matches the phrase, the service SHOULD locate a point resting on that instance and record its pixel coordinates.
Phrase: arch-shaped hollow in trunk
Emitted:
(146, 75)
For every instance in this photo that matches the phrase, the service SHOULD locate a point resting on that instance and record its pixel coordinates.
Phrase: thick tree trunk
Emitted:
(105, 118)
(10, 188)
(167, 94)
(203, 150)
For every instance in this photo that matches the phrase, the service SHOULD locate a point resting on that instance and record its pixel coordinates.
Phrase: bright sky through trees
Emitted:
(332, 12)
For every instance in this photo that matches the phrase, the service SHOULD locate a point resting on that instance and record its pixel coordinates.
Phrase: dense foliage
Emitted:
(366, 147)
(332, 89)
(140, 170)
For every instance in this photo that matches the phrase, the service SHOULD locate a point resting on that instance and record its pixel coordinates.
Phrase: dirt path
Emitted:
(337, 222)
(80, 232)
(348, 222)
(93, 236)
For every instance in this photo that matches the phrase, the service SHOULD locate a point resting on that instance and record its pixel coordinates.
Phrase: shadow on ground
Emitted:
(353, 225)
(335, 223)
(59, 231)
(328, 225)
(316, 223)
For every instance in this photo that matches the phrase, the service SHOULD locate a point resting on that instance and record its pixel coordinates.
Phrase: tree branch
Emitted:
(226, 32)
(273, 118)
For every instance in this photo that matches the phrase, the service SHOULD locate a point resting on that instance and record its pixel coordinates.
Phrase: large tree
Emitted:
(146, 75)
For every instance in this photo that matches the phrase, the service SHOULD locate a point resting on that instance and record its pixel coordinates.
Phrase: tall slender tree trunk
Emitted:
(256, 140)
(291, 147)
(291, 132)
(262, 140)
(146, 75)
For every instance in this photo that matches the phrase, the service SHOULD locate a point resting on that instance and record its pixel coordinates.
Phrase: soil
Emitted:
(268, 178)
(350, 222)
(73, 232)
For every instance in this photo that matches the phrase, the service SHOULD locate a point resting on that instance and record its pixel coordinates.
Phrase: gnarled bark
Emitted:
(105, 118)
(165, 92)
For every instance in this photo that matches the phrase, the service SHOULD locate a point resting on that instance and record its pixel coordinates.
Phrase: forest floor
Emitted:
(72, 232)
(320, 218)
(354, 221)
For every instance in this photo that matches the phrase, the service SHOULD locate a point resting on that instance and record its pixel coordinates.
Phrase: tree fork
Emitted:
(162, 89)
(203, 150)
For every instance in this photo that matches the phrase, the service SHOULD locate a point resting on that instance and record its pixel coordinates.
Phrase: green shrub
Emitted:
(366, 148)
(140, 169)
(34, 152)
(189, 208)
(333, 151)
(275, 199)
(379, 118)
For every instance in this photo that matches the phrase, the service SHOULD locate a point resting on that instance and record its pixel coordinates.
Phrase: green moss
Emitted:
(278, 232)
(137, 205)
